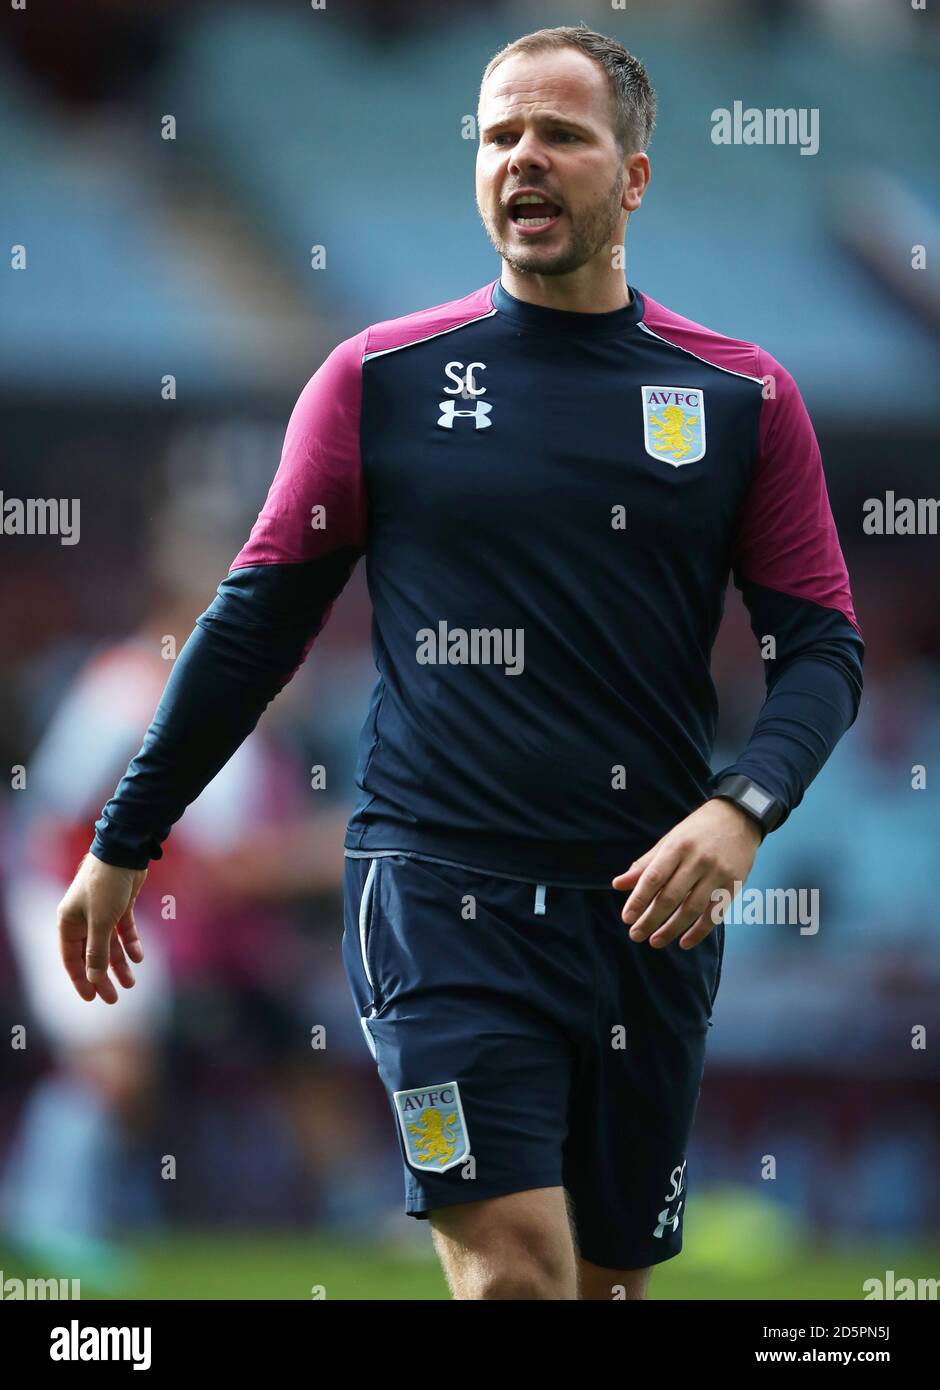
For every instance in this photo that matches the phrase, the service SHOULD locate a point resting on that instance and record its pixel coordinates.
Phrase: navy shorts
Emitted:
(524, 1041)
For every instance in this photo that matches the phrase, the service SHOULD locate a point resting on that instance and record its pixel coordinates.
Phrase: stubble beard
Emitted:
(590, 233)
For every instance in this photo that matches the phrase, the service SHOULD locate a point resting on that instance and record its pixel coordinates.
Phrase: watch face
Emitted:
(755, 800)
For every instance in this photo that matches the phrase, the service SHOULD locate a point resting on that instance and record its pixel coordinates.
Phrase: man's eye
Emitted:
(504, 135)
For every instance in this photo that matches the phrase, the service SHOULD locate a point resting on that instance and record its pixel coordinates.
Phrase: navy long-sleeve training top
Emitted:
(550, 504)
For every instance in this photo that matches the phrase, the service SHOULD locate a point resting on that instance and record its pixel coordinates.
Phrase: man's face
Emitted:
(546, 124)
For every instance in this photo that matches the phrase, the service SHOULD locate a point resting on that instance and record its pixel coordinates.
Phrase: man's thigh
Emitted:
(635, 1096)
(467, 1017)
(522, 1246)
(518, 1246)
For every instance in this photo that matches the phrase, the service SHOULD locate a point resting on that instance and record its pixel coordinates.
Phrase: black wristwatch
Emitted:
(759, 805)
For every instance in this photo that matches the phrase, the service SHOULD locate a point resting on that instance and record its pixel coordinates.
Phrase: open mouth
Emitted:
(530, 214)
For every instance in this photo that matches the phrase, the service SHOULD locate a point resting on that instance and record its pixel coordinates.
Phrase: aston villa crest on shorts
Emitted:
(433, 1127)
(674, 423)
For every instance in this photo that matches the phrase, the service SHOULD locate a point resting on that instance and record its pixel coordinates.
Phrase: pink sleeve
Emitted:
(316, 503)
(786, 538)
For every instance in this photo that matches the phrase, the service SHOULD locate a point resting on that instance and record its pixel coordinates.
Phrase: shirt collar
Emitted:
(564, 320)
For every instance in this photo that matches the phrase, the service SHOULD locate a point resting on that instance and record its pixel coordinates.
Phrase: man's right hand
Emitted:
(96, 926)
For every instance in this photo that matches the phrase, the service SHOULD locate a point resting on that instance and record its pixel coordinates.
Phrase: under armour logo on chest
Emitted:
(449, 411)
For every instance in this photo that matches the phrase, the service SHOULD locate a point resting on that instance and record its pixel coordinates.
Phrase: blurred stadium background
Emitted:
(190, 257)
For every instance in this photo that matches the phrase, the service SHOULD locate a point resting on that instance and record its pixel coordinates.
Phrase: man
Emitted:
(551, 480)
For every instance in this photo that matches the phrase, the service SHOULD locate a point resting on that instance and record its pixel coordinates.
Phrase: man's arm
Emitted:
(262, 623)
(243, 650)
(788, 564)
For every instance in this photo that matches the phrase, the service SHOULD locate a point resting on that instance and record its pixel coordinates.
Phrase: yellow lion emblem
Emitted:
(672, 434)
(436, 1139)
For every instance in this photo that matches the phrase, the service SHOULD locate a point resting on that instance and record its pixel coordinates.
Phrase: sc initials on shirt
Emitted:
(464, 385)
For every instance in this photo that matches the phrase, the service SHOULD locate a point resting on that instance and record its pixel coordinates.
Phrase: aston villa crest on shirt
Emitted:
(674, 423)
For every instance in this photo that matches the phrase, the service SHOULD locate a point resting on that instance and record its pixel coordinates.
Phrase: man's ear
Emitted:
(636, 181)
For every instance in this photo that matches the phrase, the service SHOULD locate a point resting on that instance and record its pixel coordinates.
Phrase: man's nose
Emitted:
(528, 153)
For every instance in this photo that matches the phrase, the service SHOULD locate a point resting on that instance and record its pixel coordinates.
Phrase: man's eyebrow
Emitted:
(543, 118)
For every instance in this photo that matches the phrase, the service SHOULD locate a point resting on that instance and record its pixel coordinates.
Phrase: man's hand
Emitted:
(672, 884)
(96, 925)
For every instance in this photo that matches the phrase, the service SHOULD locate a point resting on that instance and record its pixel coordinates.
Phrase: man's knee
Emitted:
(519, 1274)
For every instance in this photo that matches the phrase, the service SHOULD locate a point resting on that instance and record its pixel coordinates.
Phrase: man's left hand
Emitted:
(672, 884)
